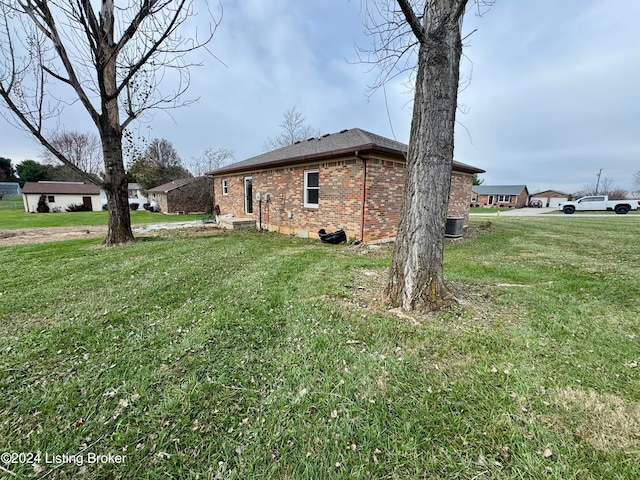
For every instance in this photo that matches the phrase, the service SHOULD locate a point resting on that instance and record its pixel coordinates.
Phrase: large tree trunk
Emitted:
(116, 187)
(416, 281)
(115, 179)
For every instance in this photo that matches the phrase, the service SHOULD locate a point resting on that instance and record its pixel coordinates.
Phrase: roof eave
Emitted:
(362, 149)
(299, 159)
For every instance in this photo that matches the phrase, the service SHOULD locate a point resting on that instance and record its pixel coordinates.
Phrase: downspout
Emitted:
(364, 194)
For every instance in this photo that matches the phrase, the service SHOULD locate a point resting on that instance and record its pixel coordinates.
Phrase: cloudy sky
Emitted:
(551, 93)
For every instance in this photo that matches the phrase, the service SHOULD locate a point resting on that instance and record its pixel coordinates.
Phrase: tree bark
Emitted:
(116, 187)
(115, 177)
(416, 280)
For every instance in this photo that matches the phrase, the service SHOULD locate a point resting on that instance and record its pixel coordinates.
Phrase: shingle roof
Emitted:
(327, 146)
(167, 187)
(61, 188)
(498, 189)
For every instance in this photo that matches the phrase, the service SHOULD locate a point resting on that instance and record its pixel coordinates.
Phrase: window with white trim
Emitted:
(311, 188)
(504, 198)
(225, 187)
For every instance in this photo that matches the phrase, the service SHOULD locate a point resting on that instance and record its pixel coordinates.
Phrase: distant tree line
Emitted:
(32, 171)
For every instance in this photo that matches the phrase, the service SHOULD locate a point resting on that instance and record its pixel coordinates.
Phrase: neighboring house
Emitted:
(500, 196)
(135, 194)
(188, 195)
(9, 188)
(550, 198)
(135, 191)
(60, 195)
(351, 180)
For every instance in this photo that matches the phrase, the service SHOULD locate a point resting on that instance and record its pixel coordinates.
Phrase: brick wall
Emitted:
(461, 184)
(385, 186)
(340, 197)
(194, 197)
(338, 204)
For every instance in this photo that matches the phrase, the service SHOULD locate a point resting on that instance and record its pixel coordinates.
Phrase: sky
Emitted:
(549, 94)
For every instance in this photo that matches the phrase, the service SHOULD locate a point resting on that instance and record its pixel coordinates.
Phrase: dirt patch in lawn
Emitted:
(21, 236)
(24, 236)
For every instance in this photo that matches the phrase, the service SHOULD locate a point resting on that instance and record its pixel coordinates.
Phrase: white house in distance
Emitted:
(136, 194)
(60, 195)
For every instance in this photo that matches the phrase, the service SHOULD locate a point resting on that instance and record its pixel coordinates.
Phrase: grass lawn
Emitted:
(560, 212)
(12, 215)
(253, 355)
(487, 209)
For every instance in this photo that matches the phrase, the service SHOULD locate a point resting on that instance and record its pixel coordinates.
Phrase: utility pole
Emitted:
(598, 183)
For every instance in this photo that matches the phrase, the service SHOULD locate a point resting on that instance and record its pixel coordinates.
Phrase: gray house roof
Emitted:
(169, 186)
(498, 189)
(338, 144)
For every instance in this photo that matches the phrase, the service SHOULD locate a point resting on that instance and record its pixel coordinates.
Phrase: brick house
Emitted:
(188, 195)
(499, 196)
(352, 180)
(551, 198)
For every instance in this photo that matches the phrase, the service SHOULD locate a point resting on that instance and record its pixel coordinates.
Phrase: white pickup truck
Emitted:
(599, 203)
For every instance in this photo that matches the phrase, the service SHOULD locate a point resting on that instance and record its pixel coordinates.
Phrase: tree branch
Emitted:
(412, 20)
(41, 16)
(36, 132)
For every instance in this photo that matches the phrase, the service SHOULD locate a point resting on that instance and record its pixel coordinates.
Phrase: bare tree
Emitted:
(605, 186)
(294, 129)
(109, 61)
(210, 160)
(82, 149)
(426, 33)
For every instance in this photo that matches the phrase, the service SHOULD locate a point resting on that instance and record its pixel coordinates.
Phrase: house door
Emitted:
(248, 195)
(86, 201)
(490, 202)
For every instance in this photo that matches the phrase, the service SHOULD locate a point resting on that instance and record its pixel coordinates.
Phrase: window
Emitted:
(504, 198)
(311, 188)
(474, 198)
(225, 187)
(51, 199)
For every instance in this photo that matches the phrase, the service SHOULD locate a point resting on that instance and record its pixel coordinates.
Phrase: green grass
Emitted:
(12, 215)
(487, 209)
(249, 355)
(560, 212)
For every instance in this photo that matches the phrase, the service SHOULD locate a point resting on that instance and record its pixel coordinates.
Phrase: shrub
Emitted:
(43, 206)
(134, 206)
